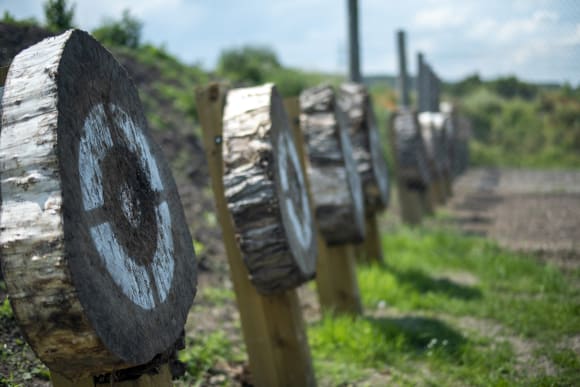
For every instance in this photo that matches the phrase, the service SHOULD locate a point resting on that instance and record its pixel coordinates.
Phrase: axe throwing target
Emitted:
(96, 252)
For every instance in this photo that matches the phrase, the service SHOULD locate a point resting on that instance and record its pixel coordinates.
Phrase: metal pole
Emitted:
(354, 64)
(403, 79)
(421, 78)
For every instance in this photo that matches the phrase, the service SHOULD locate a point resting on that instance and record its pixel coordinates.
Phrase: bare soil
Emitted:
(533, 211)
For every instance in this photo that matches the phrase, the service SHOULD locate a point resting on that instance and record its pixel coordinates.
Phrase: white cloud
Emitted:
(440, 18)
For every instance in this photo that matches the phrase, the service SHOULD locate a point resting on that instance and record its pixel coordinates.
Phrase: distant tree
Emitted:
(247, 64)
(8, 18)
(59, 16)
(510, 87)
(125, 32)
(465, 86)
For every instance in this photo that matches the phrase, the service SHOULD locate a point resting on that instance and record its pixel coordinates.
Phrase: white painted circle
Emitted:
(133, 279)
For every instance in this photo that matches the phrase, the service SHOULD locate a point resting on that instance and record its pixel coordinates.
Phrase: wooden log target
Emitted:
(96, 253)
(409, 149)
(332, 171)
(431, 125)
(368, 153)
(266, 190)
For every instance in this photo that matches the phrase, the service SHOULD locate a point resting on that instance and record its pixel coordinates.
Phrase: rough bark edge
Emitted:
(251, 190)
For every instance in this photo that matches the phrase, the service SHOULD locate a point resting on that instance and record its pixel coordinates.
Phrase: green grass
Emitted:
(433, 280)
(202, 353)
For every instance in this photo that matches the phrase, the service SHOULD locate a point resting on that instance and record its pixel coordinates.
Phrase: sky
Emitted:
(537, 40)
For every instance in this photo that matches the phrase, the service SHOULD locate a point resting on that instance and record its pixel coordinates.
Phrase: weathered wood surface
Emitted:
(409, 149)
(343, 295)
(458, 131)
(266, 190)
(96, 253)
(276, 342)
(332, 171)
(329, 286)
(368, 153)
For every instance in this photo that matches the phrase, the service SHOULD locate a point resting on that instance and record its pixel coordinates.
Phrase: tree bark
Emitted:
(266, 191)
(332, 171)
(409, 148)
(95, 249)
(366, 143)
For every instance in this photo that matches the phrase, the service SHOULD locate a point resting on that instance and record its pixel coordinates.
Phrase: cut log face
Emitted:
(368, 153)
(335, 182)
(428, 134)
(96, 252)
(266, 190)
(410, 151)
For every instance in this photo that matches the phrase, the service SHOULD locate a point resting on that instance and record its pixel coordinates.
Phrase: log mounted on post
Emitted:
(266, 190)
(436, 162)
(368, 154)
(272, 326)
(337, 197)
(411, 166)
(371, 164)
(96, 253)
(332, 170)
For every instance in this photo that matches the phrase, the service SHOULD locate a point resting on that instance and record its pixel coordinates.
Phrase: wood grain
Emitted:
(332, 171)
(356, 101)
(96, 253)
(266, 190)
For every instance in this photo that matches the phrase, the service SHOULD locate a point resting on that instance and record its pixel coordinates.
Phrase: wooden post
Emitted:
(336, 282)
(373, 247)
(273, 327)
(344, 296)
(97, 256)
(412, 204)
(371, 164)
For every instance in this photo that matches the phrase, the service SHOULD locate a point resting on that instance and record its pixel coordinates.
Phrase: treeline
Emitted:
(520, 124)
(514, 123)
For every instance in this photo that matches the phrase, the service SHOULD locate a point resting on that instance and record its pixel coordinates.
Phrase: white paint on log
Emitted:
(76, 316)
(133, 279)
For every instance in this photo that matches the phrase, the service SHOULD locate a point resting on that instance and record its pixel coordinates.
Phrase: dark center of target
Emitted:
(131, 203)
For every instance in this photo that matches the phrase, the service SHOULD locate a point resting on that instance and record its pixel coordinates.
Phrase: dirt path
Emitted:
(532, 211)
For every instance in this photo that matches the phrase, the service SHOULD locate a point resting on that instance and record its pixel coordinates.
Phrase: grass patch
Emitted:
(202, 353)
(436, 278)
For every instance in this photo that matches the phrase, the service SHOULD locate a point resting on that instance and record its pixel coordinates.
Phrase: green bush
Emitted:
(59, 16)
(124, 32)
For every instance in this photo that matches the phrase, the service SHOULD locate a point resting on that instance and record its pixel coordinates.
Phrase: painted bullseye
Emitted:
(112, 143)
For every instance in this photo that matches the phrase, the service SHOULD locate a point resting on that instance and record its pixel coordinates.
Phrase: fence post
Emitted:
(403, 78)
(272, 326)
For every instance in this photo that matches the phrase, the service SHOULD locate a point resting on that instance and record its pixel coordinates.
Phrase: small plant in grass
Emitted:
(202, 353)
(6, 309)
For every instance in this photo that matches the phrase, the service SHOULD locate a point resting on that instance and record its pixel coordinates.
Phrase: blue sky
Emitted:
(537, 40)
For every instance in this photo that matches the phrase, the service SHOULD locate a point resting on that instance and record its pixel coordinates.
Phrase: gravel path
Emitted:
(533, 211)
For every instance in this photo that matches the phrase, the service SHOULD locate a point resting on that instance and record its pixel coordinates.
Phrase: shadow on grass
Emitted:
(425, 284)
(419, 335)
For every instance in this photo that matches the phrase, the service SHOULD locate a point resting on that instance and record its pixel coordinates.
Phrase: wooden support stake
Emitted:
(273, 326)
(412, 203)
(373, 251)
(331, 292)
(341, 295)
